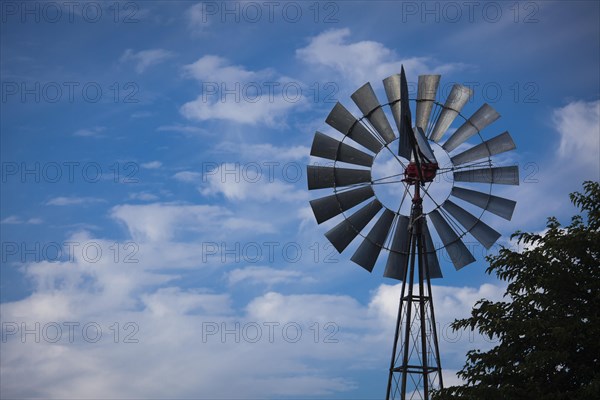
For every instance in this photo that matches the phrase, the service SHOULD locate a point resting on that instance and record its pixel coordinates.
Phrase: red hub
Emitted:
(428, 171)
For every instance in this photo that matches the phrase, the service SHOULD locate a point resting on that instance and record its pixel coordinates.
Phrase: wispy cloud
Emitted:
(186, 129)
(254, 97)
(198, 17)
(90, 132)
(73, 201)
(145, 59)
(152, 165)
(363, 61)
(160, 222)
(266, 276)
(15, 220)
(341, 329)
(578, 124)
(143, 196)
(266, 151)
(141, 114)
(188, 176)
(237, 187)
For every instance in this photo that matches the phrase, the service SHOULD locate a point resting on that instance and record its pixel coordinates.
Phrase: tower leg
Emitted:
(415, 367)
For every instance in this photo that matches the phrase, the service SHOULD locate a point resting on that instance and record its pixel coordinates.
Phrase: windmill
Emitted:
(404, 229)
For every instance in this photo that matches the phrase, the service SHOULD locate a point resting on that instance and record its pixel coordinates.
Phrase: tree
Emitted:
(548, 325)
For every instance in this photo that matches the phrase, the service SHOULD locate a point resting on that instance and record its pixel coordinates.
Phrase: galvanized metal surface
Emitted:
(344, 233)
(392, 89)
(480, 230)
(323, 177)
(497, 205)
(501, 175)
(328, 207)
(484, 116)
(426, 93)
(432, 261)
(496, 145)
(327, 147)
(458, 97)
(344, 122)
(369, 105)
(398, 256)
(423, 144)
(368, 251)
(458, 252)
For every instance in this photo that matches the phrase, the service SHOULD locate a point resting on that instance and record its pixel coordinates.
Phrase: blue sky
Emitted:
(153, 185)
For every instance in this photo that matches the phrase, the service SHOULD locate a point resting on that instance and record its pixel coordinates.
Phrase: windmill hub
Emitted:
(428, 171)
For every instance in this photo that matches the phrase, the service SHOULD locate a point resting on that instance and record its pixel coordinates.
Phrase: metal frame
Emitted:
(423, 304)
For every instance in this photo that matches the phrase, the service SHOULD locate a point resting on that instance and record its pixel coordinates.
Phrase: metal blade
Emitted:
(501, 175)
(458, 252)
(325, 177)
(458, 97)
(405, 113)
(368, 251)
(480, 231)
(343, 233)
(476, 123)
(495, 145)
(369, 105)
(497, 205)
(423, 144)
(427, 90)
(398, 258)
(392, 90)
(327, 147)
(432, 261)
(344, 122)
(328, 207)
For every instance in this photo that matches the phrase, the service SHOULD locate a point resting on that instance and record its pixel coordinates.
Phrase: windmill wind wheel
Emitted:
(404, 230)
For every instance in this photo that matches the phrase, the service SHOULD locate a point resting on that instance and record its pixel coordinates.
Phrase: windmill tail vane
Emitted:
(415, 367)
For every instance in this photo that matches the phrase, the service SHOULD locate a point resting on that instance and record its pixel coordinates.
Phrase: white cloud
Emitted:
(141, 114)
(364, 61)
(266, 151)
(234, 93)
(188, 176)
(171, 325)
(144, 196)
(544, 187)
(15, 220)
(160, 222)
(306, 216)
(579, 126)
(254, 185)
(186, 129)
(266, 276)
(174, 300)
(211, 68)
(163, 222)
(145, 58)
(152, 165)
(450, 303)
(91, 132)
(248, 224)
(345, 310)
(72, 201)
(198, 17)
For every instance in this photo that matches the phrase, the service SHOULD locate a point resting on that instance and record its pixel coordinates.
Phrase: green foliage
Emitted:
(548, 326)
